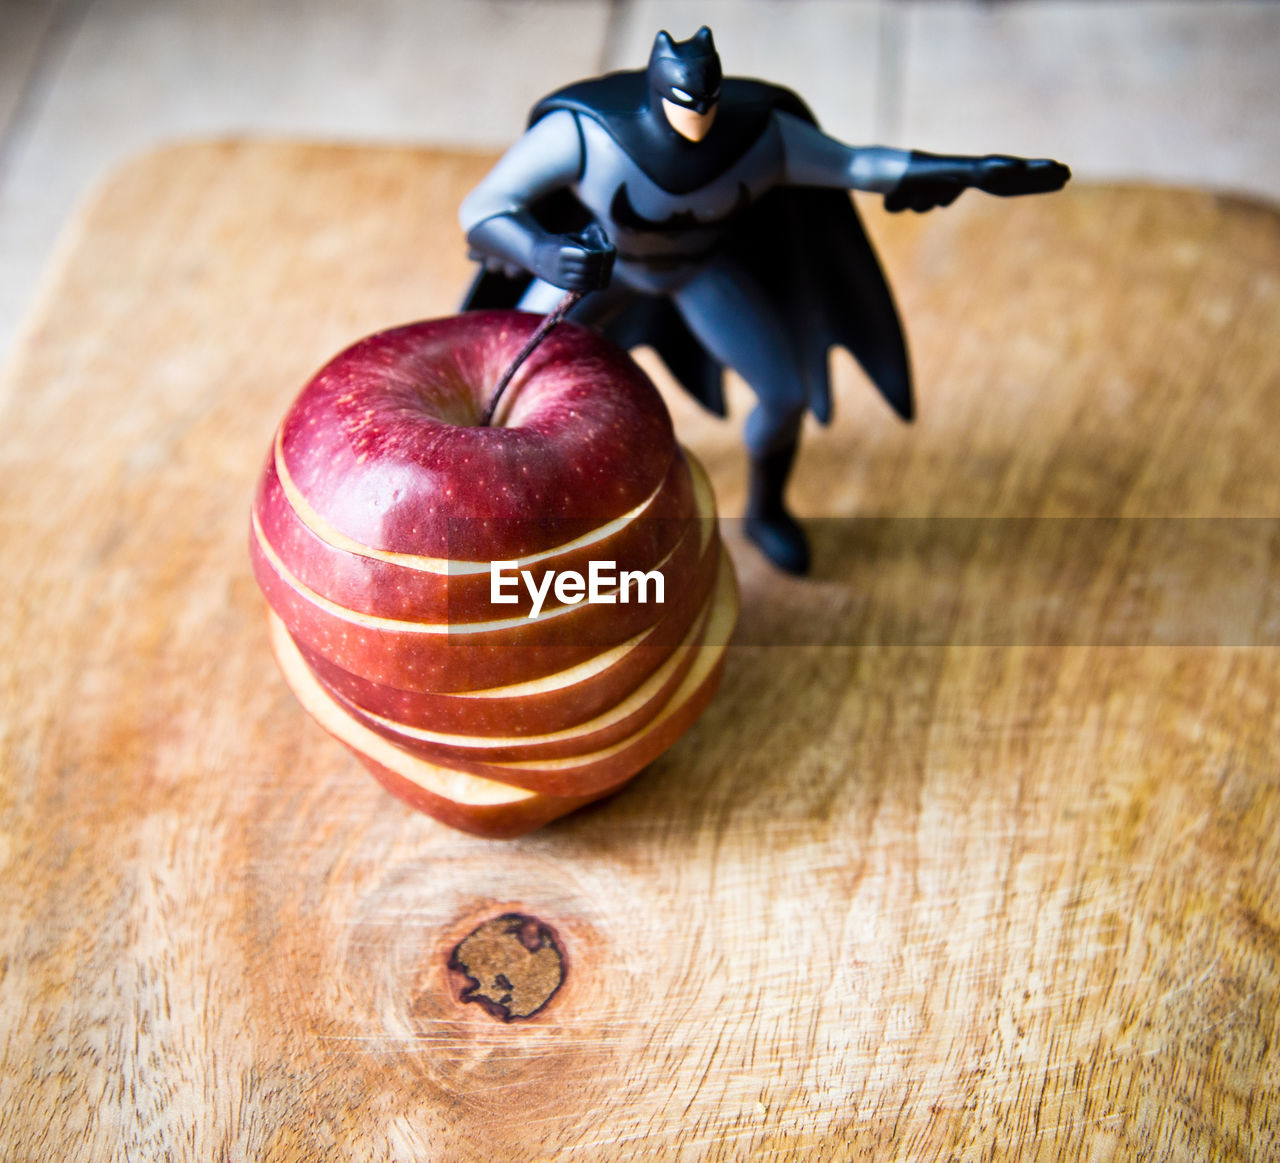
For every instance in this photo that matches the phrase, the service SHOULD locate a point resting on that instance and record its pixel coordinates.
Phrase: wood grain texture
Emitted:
(895, 896)
(458, 72)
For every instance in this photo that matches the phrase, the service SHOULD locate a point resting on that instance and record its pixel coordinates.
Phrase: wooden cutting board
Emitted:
(974, 855)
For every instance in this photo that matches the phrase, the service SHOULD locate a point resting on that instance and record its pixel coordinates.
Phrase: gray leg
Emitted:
(732, 319)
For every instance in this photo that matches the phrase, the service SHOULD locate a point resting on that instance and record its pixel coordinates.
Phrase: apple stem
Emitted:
(558, 312)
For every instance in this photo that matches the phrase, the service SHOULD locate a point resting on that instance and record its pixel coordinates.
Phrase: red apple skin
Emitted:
(387, 589)
(482, 809)
(528, 713)
(599, 772)
(381, 461)
(596, 777)
(491, 821)
(383, 442)
(478, 806)
(414, 660)
(477, 751)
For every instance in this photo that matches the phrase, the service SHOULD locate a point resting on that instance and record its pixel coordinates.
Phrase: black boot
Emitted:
(775, 531)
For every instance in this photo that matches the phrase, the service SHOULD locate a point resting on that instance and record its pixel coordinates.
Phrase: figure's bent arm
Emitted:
(548, 157)
(502, 232)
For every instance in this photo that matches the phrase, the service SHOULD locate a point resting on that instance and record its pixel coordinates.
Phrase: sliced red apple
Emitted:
(590, 775)
(550, 703)
(441, 657)
(426, 589)
(385, 503)
(480, 806)
(385, 444)
(620, 720)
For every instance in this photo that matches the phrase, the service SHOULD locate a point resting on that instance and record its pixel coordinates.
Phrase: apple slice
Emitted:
(445, 658)
(553, 702)
(499, 820)
(426, 589)
(622, 719)
(470, 803)
(589, 776)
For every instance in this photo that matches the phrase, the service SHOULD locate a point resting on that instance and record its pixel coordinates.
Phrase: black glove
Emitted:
(515, 242)
(576, 262)
(932, 181)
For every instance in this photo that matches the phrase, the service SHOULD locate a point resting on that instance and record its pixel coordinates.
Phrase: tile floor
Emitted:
(1164, 90)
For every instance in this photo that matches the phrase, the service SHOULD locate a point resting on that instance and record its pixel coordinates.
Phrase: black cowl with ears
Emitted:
(685, 72)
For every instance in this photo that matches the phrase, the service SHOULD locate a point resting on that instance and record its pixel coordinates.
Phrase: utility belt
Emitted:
(667, 262)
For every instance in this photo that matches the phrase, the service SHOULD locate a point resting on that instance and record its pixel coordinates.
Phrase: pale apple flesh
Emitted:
(480, 806)
(620, 721)
(449, 657)
(553, 702)
(381, 509)
(434, 590)
(588, 775)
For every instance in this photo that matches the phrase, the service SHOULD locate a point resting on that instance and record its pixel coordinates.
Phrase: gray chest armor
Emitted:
(655, 230)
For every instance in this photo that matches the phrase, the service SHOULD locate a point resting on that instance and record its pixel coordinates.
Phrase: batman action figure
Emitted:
(708, 218)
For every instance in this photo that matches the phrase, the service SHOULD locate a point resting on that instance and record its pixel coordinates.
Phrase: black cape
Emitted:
(805, 246)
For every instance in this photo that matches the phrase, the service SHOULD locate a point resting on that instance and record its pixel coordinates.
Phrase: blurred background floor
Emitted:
(1175, 92)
